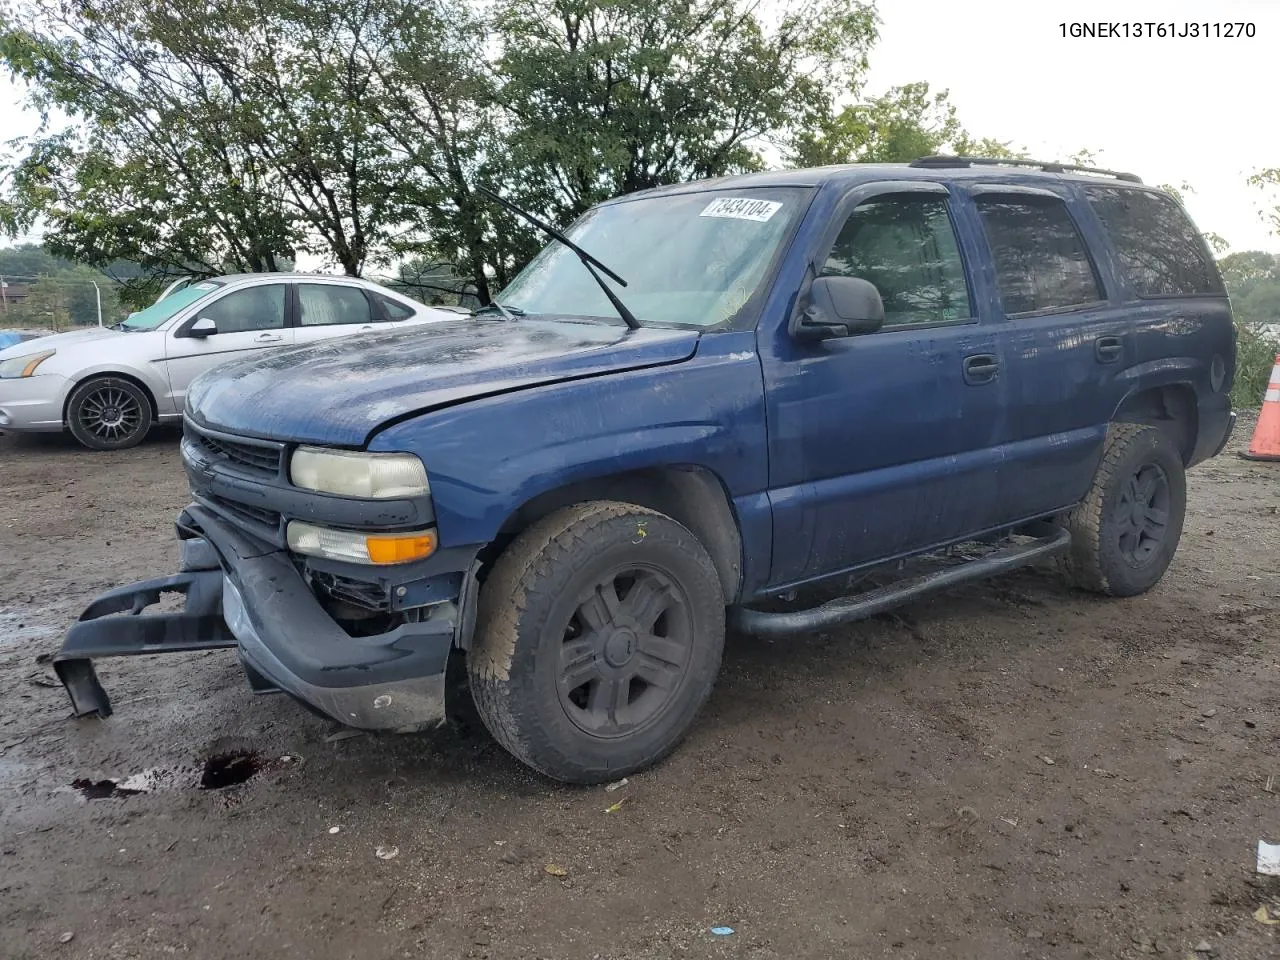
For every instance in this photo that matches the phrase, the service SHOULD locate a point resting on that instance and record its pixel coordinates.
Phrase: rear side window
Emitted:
(326, 304)
(394, 309)
(1040, 258)
(1159, 248)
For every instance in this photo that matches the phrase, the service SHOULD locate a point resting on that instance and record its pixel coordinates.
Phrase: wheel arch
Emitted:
(1171, 407)
(691, 495)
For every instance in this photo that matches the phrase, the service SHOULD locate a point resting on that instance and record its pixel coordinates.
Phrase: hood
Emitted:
(56, 341)
(338, 392)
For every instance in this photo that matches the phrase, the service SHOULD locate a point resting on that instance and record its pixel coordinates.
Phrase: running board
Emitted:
(759, 623)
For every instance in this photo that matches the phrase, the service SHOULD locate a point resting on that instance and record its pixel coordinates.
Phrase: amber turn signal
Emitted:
(399, 549)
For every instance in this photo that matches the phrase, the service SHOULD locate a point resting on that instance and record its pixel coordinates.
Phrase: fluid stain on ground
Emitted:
(229, 769)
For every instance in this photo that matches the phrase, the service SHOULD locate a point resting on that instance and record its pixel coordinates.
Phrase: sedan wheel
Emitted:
(109, 413)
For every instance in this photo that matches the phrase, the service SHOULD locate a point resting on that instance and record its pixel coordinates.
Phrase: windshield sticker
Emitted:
(741, 208)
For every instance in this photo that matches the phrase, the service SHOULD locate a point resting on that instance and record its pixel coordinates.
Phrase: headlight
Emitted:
(376, 548)
(375, 476)
(23, 366)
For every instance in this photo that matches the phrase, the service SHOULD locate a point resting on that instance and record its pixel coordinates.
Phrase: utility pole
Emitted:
(98, 296)
(4, 294)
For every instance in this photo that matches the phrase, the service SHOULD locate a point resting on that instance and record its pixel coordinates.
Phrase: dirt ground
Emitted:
(1009, 770)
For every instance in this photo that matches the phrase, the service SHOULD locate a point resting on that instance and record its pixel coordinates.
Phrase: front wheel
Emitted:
(598, 639)
(1126, 531)
(108, 413)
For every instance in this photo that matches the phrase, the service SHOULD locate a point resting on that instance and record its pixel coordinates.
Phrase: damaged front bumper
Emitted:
(244, 593)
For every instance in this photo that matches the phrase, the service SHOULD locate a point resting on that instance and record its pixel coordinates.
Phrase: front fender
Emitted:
(150, 373)
(486, 458)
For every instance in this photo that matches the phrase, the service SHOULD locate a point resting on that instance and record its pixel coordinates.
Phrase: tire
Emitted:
(598, 639)
(109, 413)
(1116, 550)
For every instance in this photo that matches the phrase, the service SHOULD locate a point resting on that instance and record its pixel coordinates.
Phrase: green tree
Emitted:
(216, 135)
(606, 97)
(29, 260)
(46, 305)
(439, 110)
(65, 298)
(1252, 278)
(211, 136)
(1268, 180)
(1242, 271)
(905, 123)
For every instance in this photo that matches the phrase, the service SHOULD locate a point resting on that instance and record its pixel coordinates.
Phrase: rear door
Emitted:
(327, 310)
(248, 319)
(885, 443)
(1183, 335)
(1064, 339)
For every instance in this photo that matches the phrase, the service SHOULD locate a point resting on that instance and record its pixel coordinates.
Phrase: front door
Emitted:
(885, 443)
(248, 319)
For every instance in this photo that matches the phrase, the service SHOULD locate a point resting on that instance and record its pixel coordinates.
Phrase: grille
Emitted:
(261, 460)
(246, 513)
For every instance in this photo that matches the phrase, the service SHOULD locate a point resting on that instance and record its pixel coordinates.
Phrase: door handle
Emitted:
(981, 368)
(367, 326)
(268, 338)
(1108, 349)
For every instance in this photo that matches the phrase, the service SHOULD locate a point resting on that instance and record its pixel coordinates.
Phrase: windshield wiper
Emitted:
(508, 313)
(587, 259)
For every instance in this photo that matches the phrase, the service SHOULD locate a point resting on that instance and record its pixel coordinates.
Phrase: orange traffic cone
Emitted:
(1266, 436)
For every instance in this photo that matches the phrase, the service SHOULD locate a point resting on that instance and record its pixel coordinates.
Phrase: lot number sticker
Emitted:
(741, 208)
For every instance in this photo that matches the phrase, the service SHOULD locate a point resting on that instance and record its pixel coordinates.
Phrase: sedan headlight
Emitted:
(24, 366)
(374, 476)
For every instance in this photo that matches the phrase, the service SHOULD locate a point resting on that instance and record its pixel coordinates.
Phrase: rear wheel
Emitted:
(109, 413)
(598, 639)
(1125, 533)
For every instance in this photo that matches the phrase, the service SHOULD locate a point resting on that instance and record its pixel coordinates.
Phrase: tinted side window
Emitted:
(1161, 251)
(394, 309)
(257, 308)
(1040, 258)
(321, 304)
(906, 246)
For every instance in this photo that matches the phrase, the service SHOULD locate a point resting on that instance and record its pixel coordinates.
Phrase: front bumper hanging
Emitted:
(241, 593)
(100, 633)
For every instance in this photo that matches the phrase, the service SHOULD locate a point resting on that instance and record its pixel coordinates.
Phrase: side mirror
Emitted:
(839, 307)
(204, 327)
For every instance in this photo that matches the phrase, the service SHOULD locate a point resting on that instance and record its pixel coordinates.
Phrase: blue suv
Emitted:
(698, 409)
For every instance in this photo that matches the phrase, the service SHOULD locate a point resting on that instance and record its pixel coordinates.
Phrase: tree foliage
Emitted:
(905, 123)
(609, 98)
(1269, 181)
(56, 293)
(209, 136)
(1253, 280)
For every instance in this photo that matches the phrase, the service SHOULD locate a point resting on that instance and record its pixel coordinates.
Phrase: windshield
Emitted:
(162, 310)
(689, 259)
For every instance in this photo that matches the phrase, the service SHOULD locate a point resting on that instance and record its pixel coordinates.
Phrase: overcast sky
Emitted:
(1199, 111)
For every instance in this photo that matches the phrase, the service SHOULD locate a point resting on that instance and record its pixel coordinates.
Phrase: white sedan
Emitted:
(108, 386)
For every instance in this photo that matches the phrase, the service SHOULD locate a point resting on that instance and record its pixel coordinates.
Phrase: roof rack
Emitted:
(942, 161)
